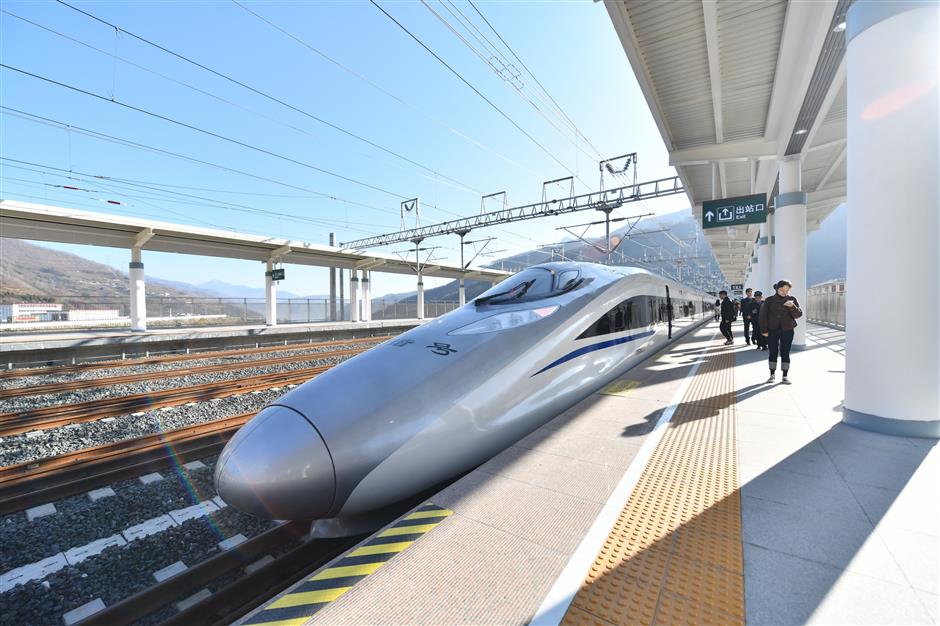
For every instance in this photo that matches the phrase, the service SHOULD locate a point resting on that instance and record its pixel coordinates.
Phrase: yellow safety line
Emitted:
(675, 554)
(308, 597)
(408, 530)
(381, 548)
(426, 514)
(348, 570)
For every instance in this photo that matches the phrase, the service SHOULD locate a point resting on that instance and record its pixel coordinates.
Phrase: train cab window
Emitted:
(534, 283)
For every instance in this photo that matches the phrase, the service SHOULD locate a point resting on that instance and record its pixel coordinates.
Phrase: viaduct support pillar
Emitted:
(138, 291)
(892, 371)
(270, 296)
(353, 295)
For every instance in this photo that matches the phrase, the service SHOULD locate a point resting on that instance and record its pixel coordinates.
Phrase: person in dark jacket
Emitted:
(757, 336)
(727, 316)
(718, 309)
(777, 319)
(748, 314)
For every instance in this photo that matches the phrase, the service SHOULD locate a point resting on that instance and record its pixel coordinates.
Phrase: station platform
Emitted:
(24, 348)
(688, 492)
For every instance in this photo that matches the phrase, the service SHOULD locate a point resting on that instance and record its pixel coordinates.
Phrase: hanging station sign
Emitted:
(735, 211)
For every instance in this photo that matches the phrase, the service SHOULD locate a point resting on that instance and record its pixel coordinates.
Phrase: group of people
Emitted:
(768, 324)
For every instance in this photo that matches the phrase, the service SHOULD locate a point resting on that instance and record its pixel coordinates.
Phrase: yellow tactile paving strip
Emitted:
(674, 555)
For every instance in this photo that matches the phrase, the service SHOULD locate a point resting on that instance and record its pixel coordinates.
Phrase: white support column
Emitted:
(137, 288)
(420, 296)
(892, 371)
(270, 296)
(762, 281)
(790, 248)
(461, 293)
(366, 285)
(353, 295)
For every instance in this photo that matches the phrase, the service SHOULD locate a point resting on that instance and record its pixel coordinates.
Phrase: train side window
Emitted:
(624, 316)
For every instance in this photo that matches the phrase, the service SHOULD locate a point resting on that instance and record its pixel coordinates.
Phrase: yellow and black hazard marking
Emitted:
(319, 590)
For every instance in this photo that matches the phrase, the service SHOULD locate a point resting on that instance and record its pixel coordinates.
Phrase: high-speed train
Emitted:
(444, 397)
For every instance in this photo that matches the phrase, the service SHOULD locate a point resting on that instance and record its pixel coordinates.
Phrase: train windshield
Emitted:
(534, 283)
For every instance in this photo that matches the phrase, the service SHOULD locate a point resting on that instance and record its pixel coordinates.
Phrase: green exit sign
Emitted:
(735, 211)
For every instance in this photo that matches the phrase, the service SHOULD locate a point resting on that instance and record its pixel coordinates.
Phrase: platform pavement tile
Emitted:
(845, 542)
(844, 436)
(917, 554)
(783, 590)
(771, 455)
(577, 478)
(771, 428)
(616, 451)
(801, 492)
(915, 508)
(931, 602)
(551, 519)
(508, 580)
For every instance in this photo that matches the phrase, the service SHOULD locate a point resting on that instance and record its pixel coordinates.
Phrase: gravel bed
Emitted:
(15, 449)
(19, 404)
(28, 381)
(79, 521)
(121, 571)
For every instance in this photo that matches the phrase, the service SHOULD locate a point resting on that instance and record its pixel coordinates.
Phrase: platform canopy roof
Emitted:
(735, 86)
(24, 220)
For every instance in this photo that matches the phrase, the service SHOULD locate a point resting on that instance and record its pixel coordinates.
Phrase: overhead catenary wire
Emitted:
(265, 95)
(474, 89)
(534, 77)
(384, 91)
(175, 196)
(519, 92)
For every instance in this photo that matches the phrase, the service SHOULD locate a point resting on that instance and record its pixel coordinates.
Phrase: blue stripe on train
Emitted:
(596, 346)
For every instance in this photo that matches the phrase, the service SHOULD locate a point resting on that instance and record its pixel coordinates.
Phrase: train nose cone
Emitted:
(277, 467)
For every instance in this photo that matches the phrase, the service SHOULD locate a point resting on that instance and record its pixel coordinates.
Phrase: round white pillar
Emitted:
(892, 372)
(366, 285)
(790, 246)
(420, 312)
(138, 291)
(270, 296)
(762, 280)
(353, 295)
(461, 293)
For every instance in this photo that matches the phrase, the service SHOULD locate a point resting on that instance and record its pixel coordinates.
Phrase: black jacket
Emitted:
(774, 316)
(727, 310)
(749, 309)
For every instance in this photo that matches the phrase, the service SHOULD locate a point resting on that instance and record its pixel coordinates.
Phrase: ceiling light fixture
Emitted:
(802, 131)
(839, 27)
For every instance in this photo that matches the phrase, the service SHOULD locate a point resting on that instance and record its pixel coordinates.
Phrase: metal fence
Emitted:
(170, 311)
(826, 303)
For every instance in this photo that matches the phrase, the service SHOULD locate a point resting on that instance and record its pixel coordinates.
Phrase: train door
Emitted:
(669, 312)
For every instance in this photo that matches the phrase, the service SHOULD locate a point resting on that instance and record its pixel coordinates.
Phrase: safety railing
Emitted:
(35, 312)
(826, 303)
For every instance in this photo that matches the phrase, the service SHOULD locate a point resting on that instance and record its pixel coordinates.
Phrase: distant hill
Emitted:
(33, 273)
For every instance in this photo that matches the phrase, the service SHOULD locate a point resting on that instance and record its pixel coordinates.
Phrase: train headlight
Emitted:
(505, 321)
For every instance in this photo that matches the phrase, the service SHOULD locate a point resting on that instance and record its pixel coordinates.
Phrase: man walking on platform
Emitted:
(749, 313)
(727, 316)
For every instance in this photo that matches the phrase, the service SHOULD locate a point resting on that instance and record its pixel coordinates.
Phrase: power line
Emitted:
(206, 132)
(467, 24)
(439, 178)
(537, 81)
(153, 187)
(266, 95)
(128, 143)
(384, 91)
(475, 90)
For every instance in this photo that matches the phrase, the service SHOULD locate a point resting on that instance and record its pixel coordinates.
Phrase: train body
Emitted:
(444, 397)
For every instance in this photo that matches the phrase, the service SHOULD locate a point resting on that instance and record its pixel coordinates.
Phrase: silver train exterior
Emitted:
(446, 396)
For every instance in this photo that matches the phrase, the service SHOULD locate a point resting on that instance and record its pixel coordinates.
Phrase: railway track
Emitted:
(176, 358)
(42, 418)
(73, 385)
(53, 478)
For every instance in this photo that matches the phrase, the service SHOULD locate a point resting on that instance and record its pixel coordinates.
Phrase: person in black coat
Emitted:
(748, 313)
(758, 337)
(727, 316)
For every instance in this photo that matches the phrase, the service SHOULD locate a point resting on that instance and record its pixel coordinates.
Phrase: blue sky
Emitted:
(392, 93)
